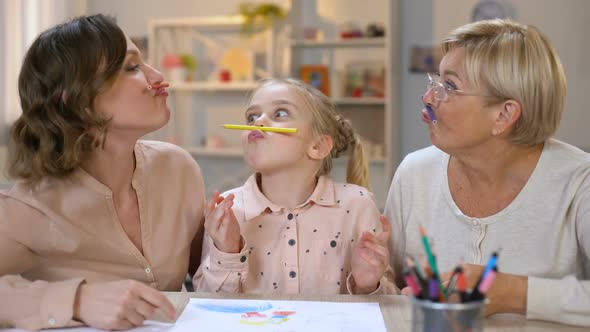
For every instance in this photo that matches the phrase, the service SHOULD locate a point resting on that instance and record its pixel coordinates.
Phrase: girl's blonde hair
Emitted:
(326, 121)
(510, 60)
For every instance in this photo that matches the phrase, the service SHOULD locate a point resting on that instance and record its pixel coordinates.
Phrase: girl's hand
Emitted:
(508, 292)
(370, 258)
(221, 223)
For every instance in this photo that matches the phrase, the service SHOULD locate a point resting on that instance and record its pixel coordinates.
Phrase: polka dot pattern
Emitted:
(302, 249)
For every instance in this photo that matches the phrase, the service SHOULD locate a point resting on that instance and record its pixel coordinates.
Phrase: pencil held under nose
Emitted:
(261, 128)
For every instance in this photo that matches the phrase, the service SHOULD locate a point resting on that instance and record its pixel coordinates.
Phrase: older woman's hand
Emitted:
(508, 292)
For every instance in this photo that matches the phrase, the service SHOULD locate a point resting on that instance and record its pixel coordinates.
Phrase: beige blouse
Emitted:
(306, 250)
(66, 231)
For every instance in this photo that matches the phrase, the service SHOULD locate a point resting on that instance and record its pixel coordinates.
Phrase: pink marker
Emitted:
(412, 282)
(487, 281)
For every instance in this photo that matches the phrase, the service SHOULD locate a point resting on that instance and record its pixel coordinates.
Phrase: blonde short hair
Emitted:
(326, 121)
(509, 60)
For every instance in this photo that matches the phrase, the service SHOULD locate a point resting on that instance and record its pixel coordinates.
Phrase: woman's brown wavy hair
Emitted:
(65, 68)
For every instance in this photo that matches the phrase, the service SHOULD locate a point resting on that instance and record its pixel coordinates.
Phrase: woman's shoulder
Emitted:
(422, 162)
(17, 209)
(156, 153)
(158, 149)
(556, 151)
(26, 194)
(166, 162)
(563, 161)
(426, 157)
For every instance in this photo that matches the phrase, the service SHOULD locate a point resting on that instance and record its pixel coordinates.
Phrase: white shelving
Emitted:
(200, 106)
(238, 153)
(204, 23)
(371, 114)
(352, 101)
(212, 86)
(340, 43)
(199, 103)
(373, 107)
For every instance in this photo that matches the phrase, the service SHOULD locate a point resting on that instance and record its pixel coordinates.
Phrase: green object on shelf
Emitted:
(189, 61)
(264, 14)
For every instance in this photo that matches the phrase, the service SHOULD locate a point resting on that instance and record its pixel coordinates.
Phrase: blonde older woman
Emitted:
(495, 179)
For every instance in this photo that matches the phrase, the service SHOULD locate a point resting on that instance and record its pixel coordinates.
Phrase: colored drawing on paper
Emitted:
(234, 308)
(229, 315)
(251, 313)
(260, 319)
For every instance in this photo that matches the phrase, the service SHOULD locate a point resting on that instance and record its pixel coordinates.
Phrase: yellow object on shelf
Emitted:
(239, 62)
(273, 129)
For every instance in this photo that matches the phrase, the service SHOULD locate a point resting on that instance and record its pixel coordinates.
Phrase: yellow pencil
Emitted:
(274, 129)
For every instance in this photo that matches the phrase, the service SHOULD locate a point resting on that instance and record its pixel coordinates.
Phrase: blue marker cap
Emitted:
(491, 263)
(431, 114)
(429, 110)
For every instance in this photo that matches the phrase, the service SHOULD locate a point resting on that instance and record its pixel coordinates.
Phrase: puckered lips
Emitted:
(255, 135)
(161, 92)
(425, 117)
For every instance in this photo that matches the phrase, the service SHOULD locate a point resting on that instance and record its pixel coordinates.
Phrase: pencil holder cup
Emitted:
(430, 316)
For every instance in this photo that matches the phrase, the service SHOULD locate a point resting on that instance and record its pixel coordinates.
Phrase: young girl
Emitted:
(289, 228)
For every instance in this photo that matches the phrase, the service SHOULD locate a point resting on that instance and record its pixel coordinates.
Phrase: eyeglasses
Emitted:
(441, 90)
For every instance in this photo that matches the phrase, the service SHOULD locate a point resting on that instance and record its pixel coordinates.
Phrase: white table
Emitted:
(396, 312)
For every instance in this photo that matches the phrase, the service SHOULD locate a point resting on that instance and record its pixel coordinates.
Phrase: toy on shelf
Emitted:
(237, 64)
(350, 30)
(179, 67)
(375, 30)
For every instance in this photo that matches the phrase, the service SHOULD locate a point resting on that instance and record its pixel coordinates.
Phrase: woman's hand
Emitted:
(508, 292)
(370, 259)
(221, 223)
(119, 305)
(407, 291)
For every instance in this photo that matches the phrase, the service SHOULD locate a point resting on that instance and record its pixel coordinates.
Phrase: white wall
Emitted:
(566, 23)
(20, 23)
(416, 30)
(2, 81)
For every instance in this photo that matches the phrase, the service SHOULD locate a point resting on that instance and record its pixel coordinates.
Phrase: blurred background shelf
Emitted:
(340, 43)
(352, 101)
(359, 67)
(212, 86)
(238, 153)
